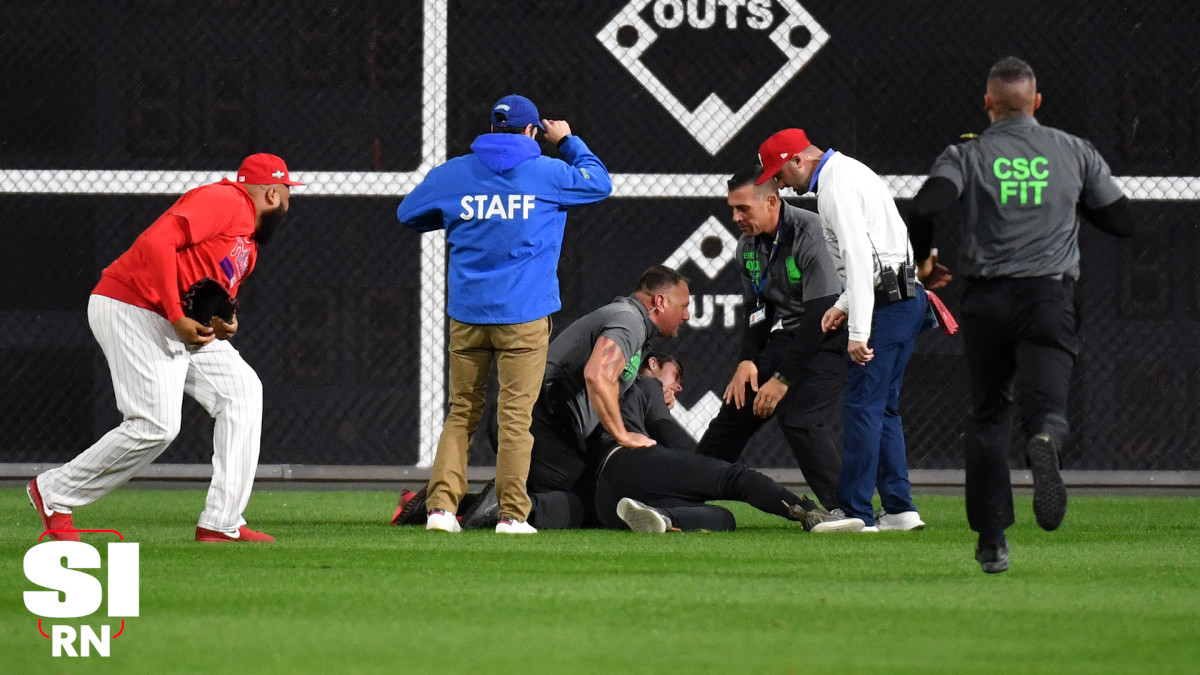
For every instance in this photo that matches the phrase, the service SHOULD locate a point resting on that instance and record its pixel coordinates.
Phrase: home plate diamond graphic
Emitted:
(711, 234)
(696, 420)
(713, 123)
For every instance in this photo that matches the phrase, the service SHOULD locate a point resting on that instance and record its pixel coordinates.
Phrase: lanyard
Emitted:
(765, 274)
(812, 184)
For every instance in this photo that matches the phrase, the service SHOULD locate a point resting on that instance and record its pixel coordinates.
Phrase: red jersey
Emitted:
(209, 232)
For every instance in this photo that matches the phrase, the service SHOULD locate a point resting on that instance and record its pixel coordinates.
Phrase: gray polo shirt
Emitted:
(801, 269)
(1020, 182)
(625, 322)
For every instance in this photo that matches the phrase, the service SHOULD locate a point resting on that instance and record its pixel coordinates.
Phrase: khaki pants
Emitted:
(520, 353)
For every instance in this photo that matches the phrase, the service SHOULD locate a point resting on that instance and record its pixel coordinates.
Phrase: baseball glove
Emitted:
(208, 298)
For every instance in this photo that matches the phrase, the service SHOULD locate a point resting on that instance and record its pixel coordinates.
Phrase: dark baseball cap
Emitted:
(776, 150)
(515, 110)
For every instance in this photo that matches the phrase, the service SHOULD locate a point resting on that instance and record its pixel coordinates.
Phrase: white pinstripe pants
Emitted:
(151, 371)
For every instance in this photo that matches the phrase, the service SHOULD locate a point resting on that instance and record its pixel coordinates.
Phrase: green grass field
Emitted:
(1116, 590)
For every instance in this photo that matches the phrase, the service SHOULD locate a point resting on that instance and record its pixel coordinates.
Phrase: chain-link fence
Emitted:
(112, 109)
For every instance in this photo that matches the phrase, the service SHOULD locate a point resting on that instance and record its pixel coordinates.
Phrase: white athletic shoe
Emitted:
(906, 520)
(838, 521)
(443, 521)
(642, 518)
(510, 526)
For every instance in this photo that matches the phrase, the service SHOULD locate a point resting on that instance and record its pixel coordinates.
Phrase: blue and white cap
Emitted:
(515, 111)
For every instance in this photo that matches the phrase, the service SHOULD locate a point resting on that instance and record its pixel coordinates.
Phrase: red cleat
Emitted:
(245, 534)
(58, 524)
(411, 508)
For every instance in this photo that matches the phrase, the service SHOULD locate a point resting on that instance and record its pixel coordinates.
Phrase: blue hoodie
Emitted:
(504, 208)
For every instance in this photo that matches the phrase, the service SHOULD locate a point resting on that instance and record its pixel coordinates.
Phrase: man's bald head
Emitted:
(1011, 89)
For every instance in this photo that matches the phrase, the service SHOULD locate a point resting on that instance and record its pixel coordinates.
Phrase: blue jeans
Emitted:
(873, 453)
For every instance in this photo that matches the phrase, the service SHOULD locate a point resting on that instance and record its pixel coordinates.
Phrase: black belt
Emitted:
(882, 299)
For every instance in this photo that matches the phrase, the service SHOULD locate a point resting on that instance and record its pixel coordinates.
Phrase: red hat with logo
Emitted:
(264, 169)
(775, 151)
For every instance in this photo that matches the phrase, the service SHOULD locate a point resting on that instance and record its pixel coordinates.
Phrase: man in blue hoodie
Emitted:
(504, 209)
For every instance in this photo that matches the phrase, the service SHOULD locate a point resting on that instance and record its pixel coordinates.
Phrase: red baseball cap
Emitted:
(775, 151)
(264, 169)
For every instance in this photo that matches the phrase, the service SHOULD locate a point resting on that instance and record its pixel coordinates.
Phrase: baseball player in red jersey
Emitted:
(156, 354)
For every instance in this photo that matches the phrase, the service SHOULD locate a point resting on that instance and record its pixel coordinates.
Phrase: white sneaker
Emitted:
(839, 522)
(443, 521)
(907, 520)
(642, 518)
(510, 526)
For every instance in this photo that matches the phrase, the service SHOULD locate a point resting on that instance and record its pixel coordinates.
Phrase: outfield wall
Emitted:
(112, 109)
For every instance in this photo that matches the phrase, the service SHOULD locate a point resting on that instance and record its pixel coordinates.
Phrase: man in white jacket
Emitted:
(869, 243)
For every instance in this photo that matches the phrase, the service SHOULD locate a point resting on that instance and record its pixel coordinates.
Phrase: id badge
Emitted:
(758, 316)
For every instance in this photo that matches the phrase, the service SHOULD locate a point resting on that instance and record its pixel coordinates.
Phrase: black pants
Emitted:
(679, 483)
(804, 418)
(1022, 332)
(559, 481)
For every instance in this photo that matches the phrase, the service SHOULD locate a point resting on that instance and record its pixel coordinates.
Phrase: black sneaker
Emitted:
(1049, 493)
(992, 555)
(822, 521)
(467, 502)
(411, 509)
(484, 510)
(808, 513)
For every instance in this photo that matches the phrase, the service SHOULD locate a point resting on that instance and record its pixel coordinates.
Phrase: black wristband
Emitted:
(561, 141)
(783, 380)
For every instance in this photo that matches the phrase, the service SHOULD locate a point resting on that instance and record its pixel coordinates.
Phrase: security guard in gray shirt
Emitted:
(588, 366)
(1022, 186)
(788, 277)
